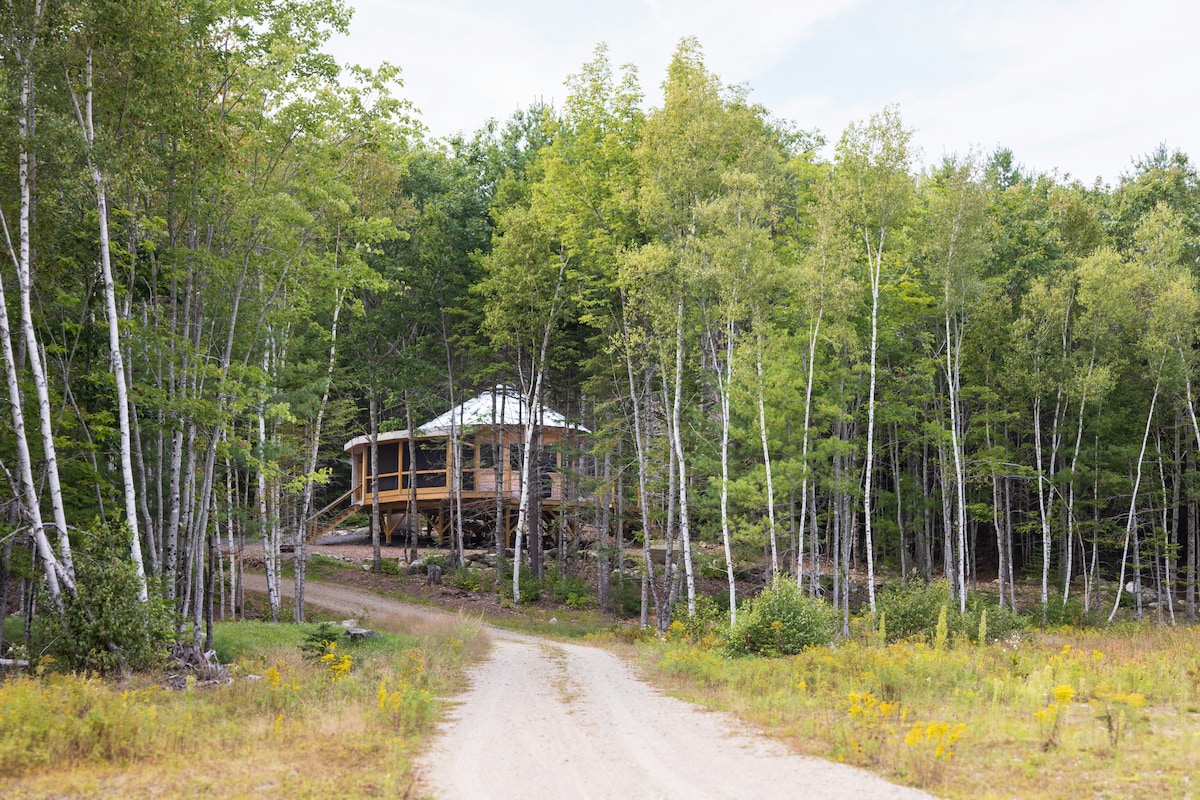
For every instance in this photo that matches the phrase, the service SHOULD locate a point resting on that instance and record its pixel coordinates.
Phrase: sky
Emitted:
(1080, 87)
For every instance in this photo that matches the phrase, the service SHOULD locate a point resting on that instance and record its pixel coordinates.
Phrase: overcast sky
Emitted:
(1078, 86)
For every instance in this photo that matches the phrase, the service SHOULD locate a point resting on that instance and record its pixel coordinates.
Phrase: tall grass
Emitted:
(1066, 713)
(286, 725)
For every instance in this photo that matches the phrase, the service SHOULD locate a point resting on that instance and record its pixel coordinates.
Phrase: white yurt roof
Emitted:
(509, 409)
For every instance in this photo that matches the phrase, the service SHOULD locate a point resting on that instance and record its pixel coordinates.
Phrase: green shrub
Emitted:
(321, 641)
(467, 579)
(108, 628)
(781, 621)
(1072, 614)
(912, 610)
(530, 589)
(626, 597)
(573, 591)
(1001, 622)
(709, 626)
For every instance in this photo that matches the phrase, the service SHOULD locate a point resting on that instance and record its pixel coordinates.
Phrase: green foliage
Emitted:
(104, 628)
(626, 597)
(781, 621)
(942, 631)
(1072, 613)
(321, 641)
(707, 627)
(1002, 623)
(570, 590)
(912, 610)
(531, 587)
(471, 580)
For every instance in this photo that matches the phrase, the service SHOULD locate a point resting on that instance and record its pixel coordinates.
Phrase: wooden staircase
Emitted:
(317, 528)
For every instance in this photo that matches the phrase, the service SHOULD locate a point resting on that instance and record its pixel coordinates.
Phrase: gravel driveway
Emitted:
(545, 719)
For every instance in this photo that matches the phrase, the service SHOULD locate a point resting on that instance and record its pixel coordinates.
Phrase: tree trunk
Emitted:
(299, 551)
(1131, 521)
(762, 429)
(685, 528)
(373, 402)
(114, 330)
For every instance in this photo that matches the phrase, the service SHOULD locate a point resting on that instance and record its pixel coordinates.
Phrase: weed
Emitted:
(872, 726)
(912, 609)
(470, 580)
(1050, 717)
(1112, 709)
(1018, 698)
(929, 747)
(58, 732)
(337, 666)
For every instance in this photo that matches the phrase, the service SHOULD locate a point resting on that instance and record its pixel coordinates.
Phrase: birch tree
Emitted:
(872, 170)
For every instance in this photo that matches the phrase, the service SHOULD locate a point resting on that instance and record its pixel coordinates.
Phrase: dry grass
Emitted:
(1065, 714)
(294, 729)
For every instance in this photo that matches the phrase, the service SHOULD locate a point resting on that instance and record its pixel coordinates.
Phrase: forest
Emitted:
(226, 255)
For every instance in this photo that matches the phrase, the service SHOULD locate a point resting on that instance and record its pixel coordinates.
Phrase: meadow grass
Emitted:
(1097, 713)
(345, 725)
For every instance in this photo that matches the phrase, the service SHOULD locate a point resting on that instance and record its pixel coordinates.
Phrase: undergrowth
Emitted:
(351, 704)
(1068, 712)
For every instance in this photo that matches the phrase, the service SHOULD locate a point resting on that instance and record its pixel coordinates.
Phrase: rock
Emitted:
(357, 634)
(349, 623)
(434, 575)
(554, 620)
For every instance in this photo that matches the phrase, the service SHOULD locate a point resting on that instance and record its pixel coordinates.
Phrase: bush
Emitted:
(467, 579)
(708, 627)
(913, 610)
(1001, 622)
(530, 588)
(321, 641)
(573, 591)
(109, 629)
(1072, 614)
(626, 597)
(781, 621)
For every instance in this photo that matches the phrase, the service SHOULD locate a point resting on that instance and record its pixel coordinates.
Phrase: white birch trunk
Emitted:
(114, 329)
(264, 514)
(300, 550)
(640, 450)
(762, 429)
(51, 566)
(25, 285)
(953, 351)
(1132, 518)
(876, 266)
(814, 331)
(724, 388)
(535, 399)
(677, 445)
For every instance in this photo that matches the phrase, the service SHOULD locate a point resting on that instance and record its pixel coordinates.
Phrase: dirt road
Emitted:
(550, 720)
